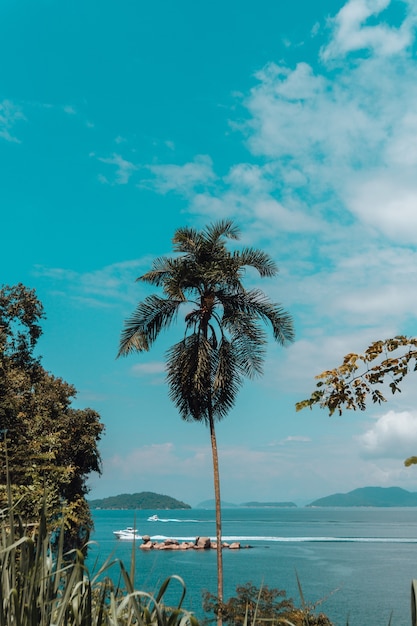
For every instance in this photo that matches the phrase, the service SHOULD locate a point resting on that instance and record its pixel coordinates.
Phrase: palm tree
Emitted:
(224, 339)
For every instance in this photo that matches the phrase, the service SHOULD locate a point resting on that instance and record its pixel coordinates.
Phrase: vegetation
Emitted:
(49, 447)
(41, 586)
(383, 366)
(362, 375)
(370, 496)
(143, 500)
(224, 339)
(257, 606)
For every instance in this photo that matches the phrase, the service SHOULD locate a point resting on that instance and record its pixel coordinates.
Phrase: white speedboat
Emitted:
(128, 534)
(153, 518)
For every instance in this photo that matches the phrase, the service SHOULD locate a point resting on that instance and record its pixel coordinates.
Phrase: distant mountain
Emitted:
(370, 496)
(143, 500)
(210, 504)
(269, 505)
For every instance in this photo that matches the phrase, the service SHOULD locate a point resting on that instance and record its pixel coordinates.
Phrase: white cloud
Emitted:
(387, 201)
(9, 115)
(372, 285)
(153, 367)
(152, 458)
(394, 435)
(351, 32)
(182, 179)
(296, 367)
(290, 439)
(344, 144)
(69, 109)
(124, 169)
(108, 286)
(249, 177)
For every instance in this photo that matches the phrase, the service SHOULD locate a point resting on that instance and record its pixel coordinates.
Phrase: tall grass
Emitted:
(43, 586)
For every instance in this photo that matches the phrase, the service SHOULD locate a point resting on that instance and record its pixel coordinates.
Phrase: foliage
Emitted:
(224, 339)
(51, 447)
(40, 586)
(349, 385)
(142, 500)
(361, 376)
(256, 606)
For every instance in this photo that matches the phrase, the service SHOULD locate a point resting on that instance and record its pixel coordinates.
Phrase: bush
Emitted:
(255, 606)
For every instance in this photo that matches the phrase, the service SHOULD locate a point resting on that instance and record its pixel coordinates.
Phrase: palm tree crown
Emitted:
(224, 339)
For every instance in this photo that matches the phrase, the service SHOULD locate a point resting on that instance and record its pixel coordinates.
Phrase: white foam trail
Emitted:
(163, 519)
(300, 539)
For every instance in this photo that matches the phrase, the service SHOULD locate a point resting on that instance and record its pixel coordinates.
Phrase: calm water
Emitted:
(358, 562)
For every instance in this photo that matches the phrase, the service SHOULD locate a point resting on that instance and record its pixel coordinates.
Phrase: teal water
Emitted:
(358, 563)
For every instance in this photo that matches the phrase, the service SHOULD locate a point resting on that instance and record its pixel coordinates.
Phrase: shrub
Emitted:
(257, 606)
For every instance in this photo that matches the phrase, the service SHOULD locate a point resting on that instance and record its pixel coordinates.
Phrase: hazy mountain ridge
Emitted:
(370, 496)
(209, 504)
(142, 500)
(361, 497)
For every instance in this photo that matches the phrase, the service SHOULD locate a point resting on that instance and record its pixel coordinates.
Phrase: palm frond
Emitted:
(193, 318)
(184, 277)
(257, 259)
(227, 378)
(250, 340)
(186, 240)
(281, 322)
(223, 228)
(189, 364)
(256, 304)
(250, 350)
(162, 268)
(143, 327)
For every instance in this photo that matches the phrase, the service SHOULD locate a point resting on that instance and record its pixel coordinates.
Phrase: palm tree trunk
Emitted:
(218, 514)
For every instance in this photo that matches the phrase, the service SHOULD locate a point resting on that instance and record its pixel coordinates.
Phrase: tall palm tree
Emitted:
(224, 339)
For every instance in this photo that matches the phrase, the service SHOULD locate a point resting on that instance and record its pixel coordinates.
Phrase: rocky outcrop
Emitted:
(200, 543)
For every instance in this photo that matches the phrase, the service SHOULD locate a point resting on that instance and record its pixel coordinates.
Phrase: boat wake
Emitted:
(154, 518)
(251, 538)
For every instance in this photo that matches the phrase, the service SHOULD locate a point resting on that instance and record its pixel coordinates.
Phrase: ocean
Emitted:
(355, 564)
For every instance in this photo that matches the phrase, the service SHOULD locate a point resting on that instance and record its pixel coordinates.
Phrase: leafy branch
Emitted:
(357, 378)
(362, 376)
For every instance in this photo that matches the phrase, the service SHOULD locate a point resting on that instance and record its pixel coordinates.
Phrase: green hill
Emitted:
(370, 496)
(143, 500)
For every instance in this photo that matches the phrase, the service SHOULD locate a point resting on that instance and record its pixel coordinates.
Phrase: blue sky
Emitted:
(120, 122)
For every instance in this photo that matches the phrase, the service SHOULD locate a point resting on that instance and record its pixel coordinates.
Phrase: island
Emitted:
(210, 504)
(142, 500)
(369, 496)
